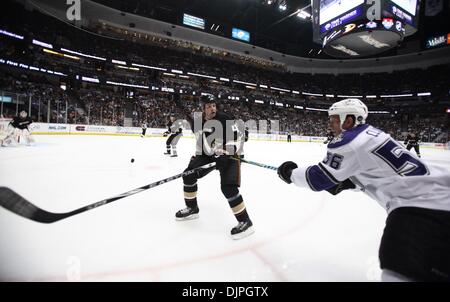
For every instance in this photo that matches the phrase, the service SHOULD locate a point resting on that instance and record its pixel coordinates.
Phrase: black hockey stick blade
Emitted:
(15, 203)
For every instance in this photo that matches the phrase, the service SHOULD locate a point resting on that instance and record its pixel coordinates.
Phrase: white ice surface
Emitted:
(300, 235)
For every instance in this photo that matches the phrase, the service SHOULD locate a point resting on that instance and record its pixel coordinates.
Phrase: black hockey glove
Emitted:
(344, 185)
(285, 171)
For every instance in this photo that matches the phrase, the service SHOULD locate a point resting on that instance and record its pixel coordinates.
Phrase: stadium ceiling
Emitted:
(272, 24)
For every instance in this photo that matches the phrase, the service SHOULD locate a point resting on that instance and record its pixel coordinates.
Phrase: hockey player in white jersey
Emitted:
(416, 241)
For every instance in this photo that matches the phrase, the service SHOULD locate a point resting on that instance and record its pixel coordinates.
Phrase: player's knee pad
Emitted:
(230, 191)
(190, 179)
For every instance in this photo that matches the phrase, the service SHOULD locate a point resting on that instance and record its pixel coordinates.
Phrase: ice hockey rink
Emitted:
(300, 235)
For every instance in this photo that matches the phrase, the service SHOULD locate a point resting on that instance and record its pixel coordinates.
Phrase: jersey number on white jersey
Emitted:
(400, 160)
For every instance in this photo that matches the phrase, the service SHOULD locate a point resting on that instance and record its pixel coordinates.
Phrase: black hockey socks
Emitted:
(190, 195)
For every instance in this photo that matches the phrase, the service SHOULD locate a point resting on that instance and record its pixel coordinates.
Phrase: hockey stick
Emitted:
(15, 203)
(256, 164)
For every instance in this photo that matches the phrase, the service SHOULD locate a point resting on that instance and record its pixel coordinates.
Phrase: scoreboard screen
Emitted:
(408, 5)
(330, 9)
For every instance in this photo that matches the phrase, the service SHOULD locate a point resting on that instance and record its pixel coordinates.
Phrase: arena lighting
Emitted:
(279, 104)
(126, 85)
(279, 89)
(371, 96)
(379, 112)
(316, 109)
(168, 74)
(295, 92)
(329, 95)
(245, 83)
(10, 34)
(177, 71)
(43, 44)
(282, 6)
(60, 54)
(303, 15)
(298, 107)
(119, 62)
(396, 95)
(129, 68)
(225, 79)
(250, 87)
(259, 101)
(349, 96)
(424, 94)
(88, 79)
(201, 75)
(263, 86)
(184, 77)
(82, 54)
(312, 94)
(149, 67)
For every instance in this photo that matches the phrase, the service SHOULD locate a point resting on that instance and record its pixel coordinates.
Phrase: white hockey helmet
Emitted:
(350, 107)
(23, 114)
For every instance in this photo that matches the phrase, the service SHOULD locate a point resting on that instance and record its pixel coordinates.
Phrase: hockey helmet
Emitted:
(206, 99)
(350, 107)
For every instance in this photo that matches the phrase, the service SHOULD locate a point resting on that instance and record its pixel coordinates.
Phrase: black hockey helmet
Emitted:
(207, 99)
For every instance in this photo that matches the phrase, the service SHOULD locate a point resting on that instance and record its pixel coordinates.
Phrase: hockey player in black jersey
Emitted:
(174, 131)
(215, 142)
(19, 126)
(412, 141)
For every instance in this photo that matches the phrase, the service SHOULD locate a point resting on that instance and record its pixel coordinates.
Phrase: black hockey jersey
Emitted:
(208, 139)
(412, 139)
(21, 123)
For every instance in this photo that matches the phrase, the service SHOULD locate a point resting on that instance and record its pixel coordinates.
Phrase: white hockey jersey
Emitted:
(382, 168)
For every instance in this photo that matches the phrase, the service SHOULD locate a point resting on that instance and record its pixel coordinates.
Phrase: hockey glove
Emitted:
(285, 171)
(344, 185)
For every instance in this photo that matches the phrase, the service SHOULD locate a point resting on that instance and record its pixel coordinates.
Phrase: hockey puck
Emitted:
(132, 160)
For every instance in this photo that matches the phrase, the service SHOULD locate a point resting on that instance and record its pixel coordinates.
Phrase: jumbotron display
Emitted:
(358, 28)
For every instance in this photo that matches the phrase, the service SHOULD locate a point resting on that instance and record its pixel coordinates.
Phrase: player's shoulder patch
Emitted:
(347, 136)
